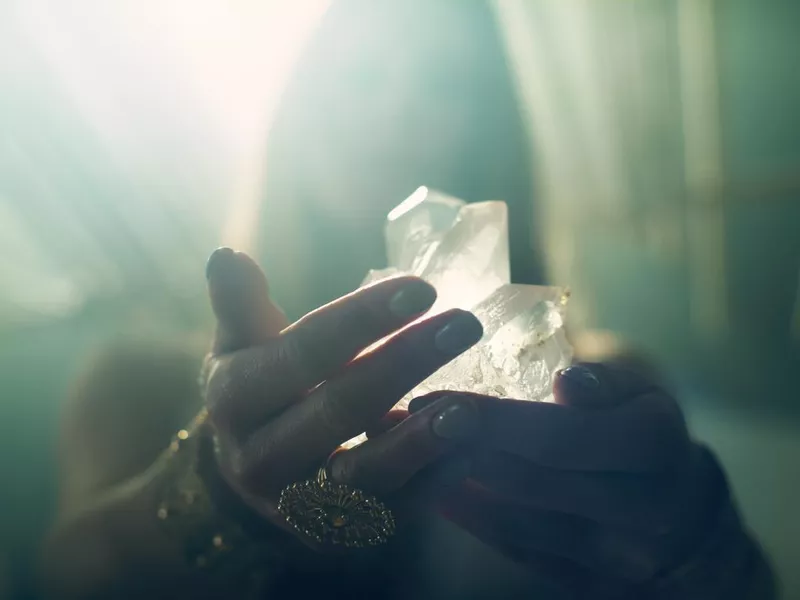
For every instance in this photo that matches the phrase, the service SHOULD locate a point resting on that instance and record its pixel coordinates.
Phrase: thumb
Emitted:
(599, 385)
(239, 296)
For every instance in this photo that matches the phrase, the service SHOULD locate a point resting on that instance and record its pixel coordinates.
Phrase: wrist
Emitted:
(216, 533)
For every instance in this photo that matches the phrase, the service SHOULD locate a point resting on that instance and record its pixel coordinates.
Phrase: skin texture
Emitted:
(603, 491)
(283, 398)
(605, 481)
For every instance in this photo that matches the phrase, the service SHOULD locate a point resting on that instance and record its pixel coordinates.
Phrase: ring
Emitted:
(335, 514)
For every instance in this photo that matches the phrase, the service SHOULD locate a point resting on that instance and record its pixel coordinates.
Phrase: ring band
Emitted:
(335, 514)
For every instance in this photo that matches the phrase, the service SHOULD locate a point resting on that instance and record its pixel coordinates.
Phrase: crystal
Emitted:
(416, 226)
(462, 250)
(523, 346)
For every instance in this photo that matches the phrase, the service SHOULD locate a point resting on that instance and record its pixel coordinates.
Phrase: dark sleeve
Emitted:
(123, 408)
(730, 565)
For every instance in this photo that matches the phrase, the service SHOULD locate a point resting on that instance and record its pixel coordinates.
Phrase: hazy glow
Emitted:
(120, 116)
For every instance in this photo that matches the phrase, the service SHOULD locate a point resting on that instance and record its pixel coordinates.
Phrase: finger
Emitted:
(643, 503)
(328, 338)
(644, 435)
(585, 385)
(516, 530)
(240, 299)
(392, 418)
(254, 384)
(344, 406)
(599, 385)
(420, 402)
(387, 462)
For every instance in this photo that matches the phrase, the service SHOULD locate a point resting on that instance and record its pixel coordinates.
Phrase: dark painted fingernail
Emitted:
(581, 377)
(415, 298)
(463, 330)
(218, 258)
(420, 402)
(457, 422)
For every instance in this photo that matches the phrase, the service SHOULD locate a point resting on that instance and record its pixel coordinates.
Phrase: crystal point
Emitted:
(415, 227)
(462, 250)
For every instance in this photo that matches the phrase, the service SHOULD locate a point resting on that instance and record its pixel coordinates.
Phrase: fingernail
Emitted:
(415, 298)
(217, 258)
(457, 422)
(420, 402)
(581, 377)
(463, 331)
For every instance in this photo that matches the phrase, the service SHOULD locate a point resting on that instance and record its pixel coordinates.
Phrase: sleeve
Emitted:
(120, 414)
(730, 565)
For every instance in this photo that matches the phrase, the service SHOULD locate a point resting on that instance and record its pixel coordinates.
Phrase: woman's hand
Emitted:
(282, 399)
(602, 489)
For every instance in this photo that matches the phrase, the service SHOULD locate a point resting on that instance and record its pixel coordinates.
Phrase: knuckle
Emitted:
(353, 320)
(339, 418)
(249, 365)
(343, 468)
(235, 377)
(359, 310)
(300, 354)
(363, 316)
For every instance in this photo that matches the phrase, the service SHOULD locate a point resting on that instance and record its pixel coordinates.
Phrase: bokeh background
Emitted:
(666, 153)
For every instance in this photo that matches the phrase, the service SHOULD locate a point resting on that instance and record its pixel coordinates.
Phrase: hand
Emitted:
(603, 489)
(281, 399)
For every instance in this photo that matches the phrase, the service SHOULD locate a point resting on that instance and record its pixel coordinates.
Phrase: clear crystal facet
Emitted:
(522, 347)
(416, 226)
(462, 250)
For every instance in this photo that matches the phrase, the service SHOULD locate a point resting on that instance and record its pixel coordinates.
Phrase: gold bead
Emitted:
(183, 434)
(201, 417)
(162, 513)
(217, 541)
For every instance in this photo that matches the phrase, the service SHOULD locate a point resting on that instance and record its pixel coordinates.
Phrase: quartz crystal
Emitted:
(462, 250)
